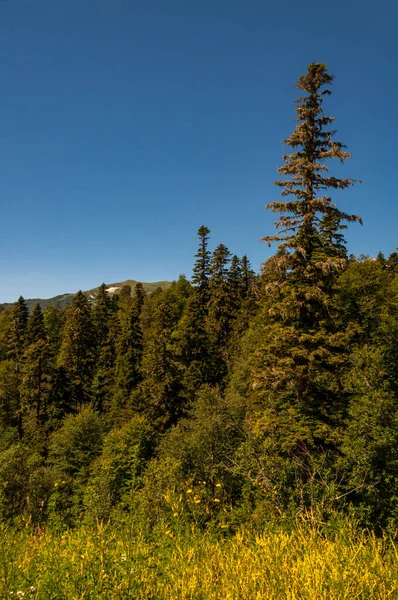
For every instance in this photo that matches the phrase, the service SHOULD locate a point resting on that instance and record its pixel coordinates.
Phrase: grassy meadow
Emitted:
(121, 561)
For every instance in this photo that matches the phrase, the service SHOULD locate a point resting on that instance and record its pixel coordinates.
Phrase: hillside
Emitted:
(64, 300)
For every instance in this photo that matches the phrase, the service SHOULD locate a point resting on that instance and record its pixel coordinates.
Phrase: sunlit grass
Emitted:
(121, 562)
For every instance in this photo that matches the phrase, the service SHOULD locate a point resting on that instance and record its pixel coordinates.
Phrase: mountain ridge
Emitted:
(65, 300)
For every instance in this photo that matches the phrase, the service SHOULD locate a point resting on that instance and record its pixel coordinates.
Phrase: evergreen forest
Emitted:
(232, 401)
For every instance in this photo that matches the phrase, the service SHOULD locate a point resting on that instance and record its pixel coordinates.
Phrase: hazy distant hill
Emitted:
(65, 300)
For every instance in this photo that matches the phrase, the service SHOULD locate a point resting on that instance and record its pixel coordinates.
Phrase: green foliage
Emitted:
(9, 393)
(35, 329)
(117, 472)
(37, 378)
(228, 400)
(19, 492)
(78, 349)
(201, 269)
(17, 331)
(204, 443)
(76, 443)
(370, 443)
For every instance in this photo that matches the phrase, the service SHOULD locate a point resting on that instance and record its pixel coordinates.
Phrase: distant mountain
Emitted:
(65, 300)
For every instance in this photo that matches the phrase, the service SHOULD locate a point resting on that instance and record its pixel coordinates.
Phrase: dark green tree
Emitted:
(308, 262)
(53, 322)
(191, 338)
(139, 297)
(16, 343)
(220, 312)
(128, 353)
(37, 379)
(161, 397)
(18, 329)
(248, 278)
(35, 327)
(297, 403)
(78, 349)
(104, 379)
(201, 270)
(102, 312)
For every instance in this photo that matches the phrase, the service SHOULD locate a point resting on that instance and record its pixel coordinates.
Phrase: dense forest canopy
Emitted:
(231, 398)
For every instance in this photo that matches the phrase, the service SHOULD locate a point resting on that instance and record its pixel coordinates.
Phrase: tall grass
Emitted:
(110, 562)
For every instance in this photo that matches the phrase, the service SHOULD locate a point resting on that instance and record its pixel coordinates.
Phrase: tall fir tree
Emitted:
(35, 327)
(139, 297)
(310, 242)
(220, 311)
(161, 399)
(311, 251)
(102, 312)
(248, 277)
(297, 403)
(17, 335)
(78, 350)
(53, 322)
(128, 353)
(37, 379)
(16, 344)
(201, 269)
(104, 378)
(191, 337)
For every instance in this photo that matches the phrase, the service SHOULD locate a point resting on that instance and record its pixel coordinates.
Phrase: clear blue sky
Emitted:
(126, 125)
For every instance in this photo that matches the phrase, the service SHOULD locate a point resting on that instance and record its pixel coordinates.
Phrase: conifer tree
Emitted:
(311, 245)
(220, 311)
(101, 315)
(160, 399)
(104, 379)
(297, 404)
(311, 251)
(235, 281)
(201, 270)
(78, 349)
(139, 297)
(192, 339)
(35, 327)
(53, 323)
(37, 367)
(247, 277)
(17, 340)
(128, 352)
(18, 327)
(37, 377)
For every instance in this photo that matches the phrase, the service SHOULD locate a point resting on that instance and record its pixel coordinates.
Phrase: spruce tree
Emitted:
(17, 333)
(139, 297)
(104, 379)
(53, 322)
(311, 245)
(16, 344)
(37, 378)
(128, 352)
(248, 278)
(192, 339)
(35, 327)
(160, 398)
(311, 250)
(102, 312)
(201, 270)
(297, 402)
(220, 311)
(235, 281)
(78, 349)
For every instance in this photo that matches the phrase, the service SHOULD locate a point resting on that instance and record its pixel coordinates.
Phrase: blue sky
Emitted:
(127, 125)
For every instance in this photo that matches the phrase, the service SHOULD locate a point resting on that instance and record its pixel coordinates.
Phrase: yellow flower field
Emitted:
(120, 562)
